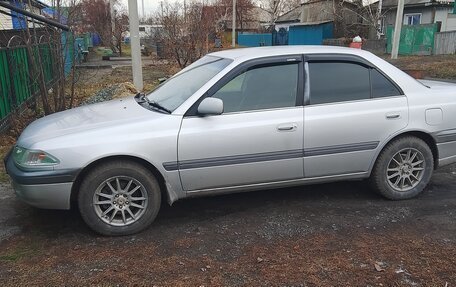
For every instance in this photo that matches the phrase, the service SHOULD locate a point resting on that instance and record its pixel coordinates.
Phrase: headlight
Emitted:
(33, 158)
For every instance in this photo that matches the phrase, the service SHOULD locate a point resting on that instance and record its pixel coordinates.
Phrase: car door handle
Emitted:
(393, 116)
(287, 127)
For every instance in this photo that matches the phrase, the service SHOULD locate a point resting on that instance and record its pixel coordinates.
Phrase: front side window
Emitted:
(264, 87)
(176, 90)
(338, 82)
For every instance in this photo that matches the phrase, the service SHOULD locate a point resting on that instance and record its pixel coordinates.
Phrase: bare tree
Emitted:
(185, 32)
(56, 45)
(120, 27)
(367, 15)
(97, 19)
(173, 35)
(243, 11)
(276, 8)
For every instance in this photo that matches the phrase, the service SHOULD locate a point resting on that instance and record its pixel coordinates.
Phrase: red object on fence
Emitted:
(356, 45)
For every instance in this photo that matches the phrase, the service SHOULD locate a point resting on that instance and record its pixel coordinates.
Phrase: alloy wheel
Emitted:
(120, 200)
(405, 169)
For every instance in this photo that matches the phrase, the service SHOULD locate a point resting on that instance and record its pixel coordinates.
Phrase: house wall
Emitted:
(6, 23)
(426, 15)
(441, 14)
(36, 11)
(451, 22)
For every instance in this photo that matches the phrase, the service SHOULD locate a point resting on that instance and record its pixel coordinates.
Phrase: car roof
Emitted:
(259, 52)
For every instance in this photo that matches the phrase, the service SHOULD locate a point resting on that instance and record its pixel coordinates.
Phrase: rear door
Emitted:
(259, 137)
(351, 107)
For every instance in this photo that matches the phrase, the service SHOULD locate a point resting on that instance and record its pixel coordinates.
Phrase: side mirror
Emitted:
(210, 106)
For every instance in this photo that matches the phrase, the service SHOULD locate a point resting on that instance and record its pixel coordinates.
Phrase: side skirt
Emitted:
(277, 184)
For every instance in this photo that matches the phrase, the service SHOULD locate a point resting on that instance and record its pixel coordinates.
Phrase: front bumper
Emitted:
(47, 196)
(42, 189)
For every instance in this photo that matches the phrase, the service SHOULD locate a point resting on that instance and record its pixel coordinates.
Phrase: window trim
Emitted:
(344, 58)
(253, 64)
(406, 16)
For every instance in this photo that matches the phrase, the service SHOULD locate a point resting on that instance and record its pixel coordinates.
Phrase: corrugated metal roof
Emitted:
(311, 23)
(291, 16)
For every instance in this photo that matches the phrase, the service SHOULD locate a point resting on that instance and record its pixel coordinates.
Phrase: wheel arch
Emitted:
(80, 176)
(426, 137)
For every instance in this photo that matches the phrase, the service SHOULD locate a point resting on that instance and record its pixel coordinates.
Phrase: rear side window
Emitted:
(338, 82)
(381, 86)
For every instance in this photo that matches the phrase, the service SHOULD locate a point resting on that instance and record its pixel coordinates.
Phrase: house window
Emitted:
(412, 19)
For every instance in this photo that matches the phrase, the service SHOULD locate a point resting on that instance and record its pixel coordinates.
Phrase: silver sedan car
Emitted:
(239, 120)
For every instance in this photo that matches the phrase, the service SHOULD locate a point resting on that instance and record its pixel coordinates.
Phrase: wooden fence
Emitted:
(445, 43)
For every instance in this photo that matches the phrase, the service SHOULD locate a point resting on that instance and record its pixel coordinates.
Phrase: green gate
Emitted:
(16, 84)
(415, 39)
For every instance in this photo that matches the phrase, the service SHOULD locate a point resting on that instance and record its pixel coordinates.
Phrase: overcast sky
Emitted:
(150, 6)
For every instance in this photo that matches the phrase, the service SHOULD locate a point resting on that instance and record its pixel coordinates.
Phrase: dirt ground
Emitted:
(440, 67)
(339, 234)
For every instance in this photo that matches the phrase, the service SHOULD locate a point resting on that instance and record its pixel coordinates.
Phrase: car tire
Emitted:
(119, 198)
(403, 168)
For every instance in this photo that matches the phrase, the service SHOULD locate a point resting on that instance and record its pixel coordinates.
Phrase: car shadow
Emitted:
(52, 223)
(237, 202)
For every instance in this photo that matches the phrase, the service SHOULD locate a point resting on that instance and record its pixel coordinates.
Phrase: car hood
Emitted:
(84, 118)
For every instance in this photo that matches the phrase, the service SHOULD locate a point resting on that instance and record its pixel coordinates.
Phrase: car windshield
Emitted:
(176, 90)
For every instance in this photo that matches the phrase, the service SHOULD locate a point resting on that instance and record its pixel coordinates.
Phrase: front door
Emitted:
(258, 138)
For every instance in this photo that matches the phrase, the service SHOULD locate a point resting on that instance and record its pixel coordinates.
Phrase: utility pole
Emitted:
(397, 29)
(113, 17)
(379, 18)
(135, 44)
(143, 14)
(185, 12)
(233, 28)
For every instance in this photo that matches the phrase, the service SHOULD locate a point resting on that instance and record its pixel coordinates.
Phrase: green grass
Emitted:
(13, 256)
(19, 252)
(126, 50)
